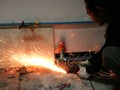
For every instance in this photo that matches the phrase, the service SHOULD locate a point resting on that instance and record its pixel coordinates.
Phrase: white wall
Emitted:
(15, 11)
(81, 39)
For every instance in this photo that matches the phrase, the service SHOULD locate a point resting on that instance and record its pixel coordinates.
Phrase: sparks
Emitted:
(36, 60)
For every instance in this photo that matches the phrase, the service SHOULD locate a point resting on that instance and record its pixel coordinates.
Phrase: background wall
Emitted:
(49, 11)
(82, 38)
(15, 11)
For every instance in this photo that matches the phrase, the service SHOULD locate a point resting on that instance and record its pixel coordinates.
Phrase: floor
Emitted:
(36, 78)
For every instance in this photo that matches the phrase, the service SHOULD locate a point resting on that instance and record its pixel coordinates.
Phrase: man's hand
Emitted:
(73, 68)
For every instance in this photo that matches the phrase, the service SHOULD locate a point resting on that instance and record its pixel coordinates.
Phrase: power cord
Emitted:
(90, 79)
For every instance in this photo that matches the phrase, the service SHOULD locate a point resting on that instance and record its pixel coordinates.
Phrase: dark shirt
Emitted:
(112, 38)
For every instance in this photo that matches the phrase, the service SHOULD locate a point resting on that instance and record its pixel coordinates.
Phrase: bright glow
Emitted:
(36, 60)
(28, 52)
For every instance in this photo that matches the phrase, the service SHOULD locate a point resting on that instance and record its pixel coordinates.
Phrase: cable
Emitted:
(86, 84)
(90, 79)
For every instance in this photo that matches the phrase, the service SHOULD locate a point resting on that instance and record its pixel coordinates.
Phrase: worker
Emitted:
(104, 12)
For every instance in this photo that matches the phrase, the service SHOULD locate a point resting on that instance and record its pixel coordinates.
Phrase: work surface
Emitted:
(39, 79)
(34, 78)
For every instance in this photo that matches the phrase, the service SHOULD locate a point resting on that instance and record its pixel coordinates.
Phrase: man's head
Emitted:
(99, 10)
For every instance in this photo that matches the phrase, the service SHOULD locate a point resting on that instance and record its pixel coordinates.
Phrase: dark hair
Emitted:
(93, 4)
(111, 7)
(98, 3)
